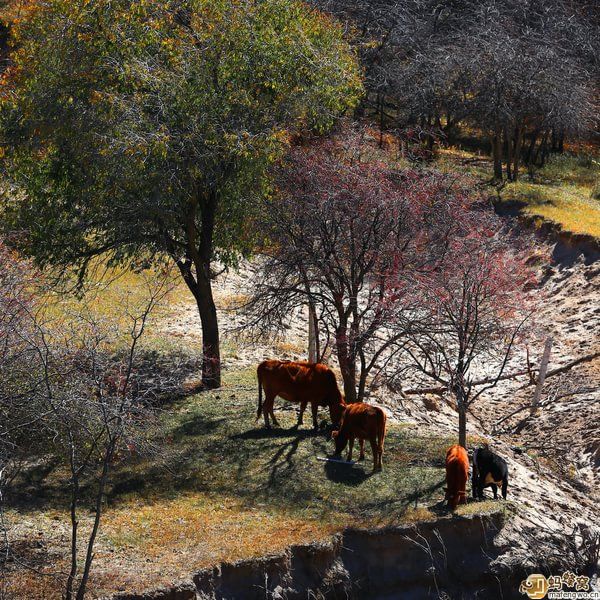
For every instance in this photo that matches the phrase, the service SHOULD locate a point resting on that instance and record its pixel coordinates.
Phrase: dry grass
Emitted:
(485, 507)
(285, 348)
(151, 543)
(570, 206)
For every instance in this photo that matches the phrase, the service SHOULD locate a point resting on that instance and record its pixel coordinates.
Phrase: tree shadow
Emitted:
(261, 433)
(198, 426)
(282, 463)
(346, 473)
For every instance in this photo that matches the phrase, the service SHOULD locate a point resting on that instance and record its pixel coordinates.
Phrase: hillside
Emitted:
(220, 487)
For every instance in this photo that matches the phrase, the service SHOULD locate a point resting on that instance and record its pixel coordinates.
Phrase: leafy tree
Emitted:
(143, 130)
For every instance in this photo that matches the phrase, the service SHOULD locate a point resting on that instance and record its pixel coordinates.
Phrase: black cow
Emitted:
(489, 470)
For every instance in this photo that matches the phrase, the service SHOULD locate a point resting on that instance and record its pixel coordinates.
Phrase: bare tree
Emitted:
(524, 74)
(347, 234)
(472, 314)
(70, 388)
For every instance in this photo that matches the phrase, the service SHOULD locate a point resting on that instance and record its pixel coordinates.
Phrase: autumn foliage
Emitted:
(396, 264)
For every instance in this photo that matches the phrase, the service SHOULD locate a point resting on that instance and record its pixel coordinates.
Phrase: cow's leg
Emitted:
(504, 487)
(480, 490)
(303, 404)
(315, 410)
(495, 490)
(350, 447)
(474, 484)
(361, 443)
(375, 450)
(275, 421)
(268, 409)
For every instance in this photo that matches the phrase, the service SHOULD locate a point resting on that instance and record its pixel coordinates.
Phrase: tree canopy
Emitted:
(507, 67)
(142, 129)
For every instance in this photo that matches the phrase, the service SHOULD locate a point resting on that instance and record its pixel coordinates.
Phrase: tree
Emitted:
(347, 234)
(513, 70)
(142, 130)
(70, 389)
(472, 312)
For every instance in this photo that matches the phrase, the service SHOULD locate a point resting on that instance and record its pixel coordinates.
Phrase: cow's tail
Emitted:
(260, 398)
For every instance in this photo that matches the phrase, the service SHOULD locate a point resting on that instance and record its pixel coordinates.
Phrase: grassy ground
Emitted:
(223, 488)
(566, 191)
(563, 193)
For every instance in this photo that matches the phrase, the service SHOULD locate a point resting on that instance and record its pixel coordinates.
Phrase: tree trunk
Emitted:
(517, 152)
(540, 150)
(74, 527)
(529, 154)
(313, 335)
(380, 107)
(211, 353)
(497, 154)
(561, 141)
(462, 426)
(89, 557)
(509, 152)
(461, 406)
(199, 254)
(347, 366)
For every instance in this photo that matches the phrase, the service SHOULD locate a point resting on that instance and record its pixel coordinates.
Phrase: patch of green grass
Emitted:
(214, 446)
(570, 206)
(562, 193)
(221, 487)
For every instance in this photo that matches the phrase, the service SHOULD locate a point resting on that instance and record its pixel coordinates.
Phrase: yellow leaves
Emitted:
(95, 97)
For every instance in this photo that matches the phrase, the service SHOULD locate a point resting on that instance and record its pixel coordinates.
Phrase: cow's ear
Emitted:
(334, 434)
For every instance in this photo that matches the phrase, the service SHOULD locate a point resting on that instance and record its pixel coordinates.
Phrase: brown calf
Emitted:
(457, 473)
(364, 422)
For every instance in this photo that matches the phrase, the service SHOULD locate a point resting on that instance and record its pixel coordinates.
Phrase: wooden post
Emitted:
(541, 375)
(312, 338)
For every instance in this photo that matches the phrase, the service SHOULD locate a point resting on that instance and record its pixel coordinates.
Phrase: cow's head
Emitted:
(455, 498)
(340, 441)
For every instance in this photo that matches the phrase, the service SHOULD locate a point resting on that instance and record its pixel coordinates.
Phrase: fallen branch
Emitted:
(574, 363)
(442, 389)
(586, 390)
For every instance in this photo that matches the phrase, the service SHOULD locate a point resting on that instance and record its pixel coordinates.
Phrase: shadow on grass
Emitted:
(347, 473)
(208, 444)
(198, 426)
(262, 433)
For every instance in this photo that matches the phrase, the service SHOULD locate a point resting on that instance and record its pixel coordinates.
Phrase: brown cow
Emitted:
(301, 382)
(364, 422)
(457, 473)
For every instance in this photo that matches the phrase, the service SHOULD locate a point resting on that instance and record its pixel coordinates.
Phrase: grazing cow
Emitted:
(457, 473)
(364, 422)
(489, 469)
(301, 382)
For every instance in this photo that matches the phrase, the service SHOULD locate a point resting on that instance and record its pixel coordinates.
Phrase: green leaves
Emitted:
(117, 113)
